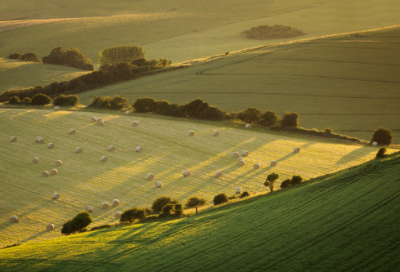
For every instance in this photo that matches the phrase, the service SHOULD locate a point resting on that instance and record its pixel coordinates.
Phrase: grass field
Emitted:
(167, 151)
(344, 82)
(20, 75)
(348, 222)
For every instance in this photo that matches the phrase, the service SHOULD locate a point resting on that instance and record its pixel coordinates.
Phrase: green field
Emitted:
(344, 82)
(167, 151)
(348, 222)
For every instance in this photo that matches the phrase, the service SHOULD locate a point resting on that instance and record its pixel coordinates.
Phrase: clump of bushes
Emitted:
(122, 53)
(244, 194)
(77, 224)
(262, 32)
(14, 100)
(25, 57)
(220, 199)
(195, 201)
(66, 100)
(115, 103)
(40, 99)
(72, 58)
(161, 202)
(133, 214)
(27, 100)
(381, 152)
(382, 136)
(295, 180)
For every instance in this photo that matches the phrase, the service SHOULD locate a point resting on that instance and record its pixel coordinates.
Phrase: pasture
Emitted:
(347, 222)
(84, 180)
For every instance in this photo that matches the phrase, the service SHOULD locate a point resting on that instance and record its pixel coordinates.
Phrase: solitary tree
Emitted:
(270, 181)
(382, 136)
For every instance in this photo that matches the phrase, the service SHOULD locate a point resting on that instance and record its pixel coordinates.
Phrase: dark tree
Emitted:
(381, 153)
(271, 178)
(382, 136)
(195, 201)
(269, 118)
(220, 198)
(290, 119)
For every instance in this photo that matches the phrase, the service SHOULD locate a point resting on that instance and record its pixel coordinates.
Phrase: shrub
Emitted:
(212, 113)
(269, 118)
(290, 119)
(270, 32)
(66, 100)
(178, 209)
(67, 228)
(244, 194)
(123, 53)
(250, 115)
(72, 58)
(381, 153)
(382, 136)
(140, 62)
(195, 201)
(328, 130)
(162, 201)
(26, 100)
(16, 56)
(167, 209)
(286, 183)
(296, 180)
(14, 100)
(116, 103)
(145, 104)
(77, 224)
(132, 214)
(173, 110)
(30, 57)
(161, 105)
(270, 181)
(194, 107)
(154, 63)
(220, 198)
(40, 99)
(164, 62)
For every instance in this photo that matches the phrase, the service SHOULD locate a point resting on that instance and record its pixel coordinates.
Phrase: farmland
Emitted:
(167, 151)
(347, 222)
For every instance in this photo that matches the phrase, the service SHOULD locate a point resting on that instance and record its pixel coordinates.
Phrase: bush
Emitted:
(145, 104)
(212, 113)
(328, 130)
(66, 100)
(296, 180)
(286, 183)
(40, 99)
(123, 53)
(132, 214)
(167, 209)
(381, 153)
(16, 56)
(72, 58)
(244, 194)
(115, 103)
(382, 136)
(14, 100)
(165, 62)
(220, 198)
(162, 201)
(270, 181)
(194, 107)
(178, 209)
(195, 201)
(250, 115)
(290, 119)
(161, 105)
(269, 118)
(26, 100)
(77, 224)
(262, 32)
(30, 57)
(173, 110)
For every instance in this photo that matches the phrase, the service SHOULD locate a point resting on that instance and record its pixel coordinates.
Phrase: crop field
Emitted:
(20, 74)
(348, 222)
(177, 30)
(84, 180)
(349, 83)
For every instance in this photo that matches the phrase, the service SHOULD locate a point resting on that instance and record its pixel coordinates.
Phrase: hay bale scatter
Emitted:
(13, 139)
(53, 171)
(50, 145)
(115, 203)
(218, 174)
(238, 190)
(273, 163)
(58, 162)
(157, 184)
(56, 196)
(117, 215)
(100, 122)
(150, 176)
(35, 160)
(89, 208)
(296, 150)
(71, 131)
(78, 150)
(215, 133)
(14, 219)
(191, 133)
(135, 123)
(235, 154)
(139, 149)
(111, 148)
(186, 173)
(127, 112)
(45, 173)
(257, 166)
(50, 227)
(241, 162)
(40, 140)
(93, 119)
(103, 158)
(245, 153)
(57, 108)
(105, 205)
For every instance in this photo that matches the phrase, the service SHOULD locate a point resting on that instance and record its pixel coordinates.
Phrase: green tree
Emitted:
(269, 118)
(382, 136)
(250, 115)
(270, 181)
(195, 201)
(40, 99)
(123, 53)
(132, 214)
(290, 119)
(30, 57)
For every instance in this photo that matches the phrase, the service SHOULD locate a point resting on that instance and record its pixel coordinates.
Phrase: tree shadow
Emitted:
(355, 154)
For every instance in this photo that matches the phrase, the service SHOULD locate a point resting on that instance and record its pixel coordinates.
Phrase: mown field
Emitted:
(349, 83)
(167, 151)
(20, 74)
(348, 222)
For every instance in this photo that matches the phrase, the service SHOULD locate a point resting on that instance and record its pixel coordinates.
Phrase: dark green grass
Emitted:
(347, 222)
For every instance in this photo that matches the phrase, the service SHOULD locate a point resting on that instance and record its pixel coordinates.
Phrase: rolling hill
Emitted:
(167, 151)
(346, 222)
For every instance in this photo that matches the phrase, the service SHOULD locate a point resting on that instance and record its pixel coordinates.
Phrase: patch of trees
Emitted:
(120, 54)
(295, 180)
(263, 32)
(77, 224)
(25, 57)
(72, 58)
(114, 103)
(42, 99)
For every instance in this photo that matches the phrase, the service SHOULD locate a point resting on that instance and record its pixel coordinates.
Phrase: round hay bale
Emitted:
(296, 150)
(45, 173)
(218, 174)
(191, 133)
(245, 153)
(248, 126)
(273, 163)
(117, 215)
(157, 184)
(39, 140)
(58, 162)
(105, 205)
(14, 219)
(93, 119)
(257, 166)
(135, 123)
(111, 148)
(186, 173)
(241, 162)
(235, 154)
(35, 160)
(71, 131)
(50, 145)
(57, 108)
(127, 112)
(100, 122)
(13, 139)
(115, 202)
(53, 171)
(56, 196)
(240, 159)
(215, 133)
(50, 227)
(89, 208)
(238, 190)
(104, 158)
(138, 149)
(78, 150)
(150, 176)
(375, 143)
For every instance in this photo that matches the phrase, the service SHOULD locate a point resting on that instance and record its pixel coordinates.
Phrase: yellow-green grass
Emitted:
(167, 151)
(21, 75)
(348, 83)
(181, 31)
(348, 222)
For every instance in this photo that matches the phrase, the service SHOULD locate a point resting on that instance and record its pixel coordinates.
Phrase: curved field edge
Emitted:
(167, 150)
(347, 222)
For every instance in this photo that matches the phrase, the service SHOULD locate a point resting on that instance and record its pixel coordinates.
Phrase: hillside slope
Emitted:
(348, 222)
(167, 151)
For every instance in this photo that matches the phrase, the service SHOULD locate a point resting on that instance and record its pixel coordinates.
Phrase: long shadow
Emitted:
(353, 155)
